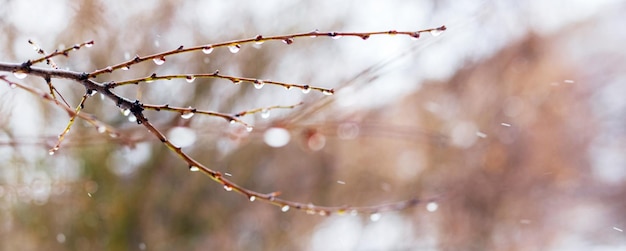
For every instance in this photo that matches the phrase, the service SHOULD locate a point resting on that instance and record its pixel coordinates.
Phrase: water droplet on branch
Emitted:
(285, 208)
(265, 113)
(258, 84)
(328, 92)
(306, 89)
(252, 198)
(20, 74)
(190, 78)
(187, 115)
(159, 61)
(194, 168)
(436, 32)
(126, 112)
(234, 48)
(228, 188)
(207, 50)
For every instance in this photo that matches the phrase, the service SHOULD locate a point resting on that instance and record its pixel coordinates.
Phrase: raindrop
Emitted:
(53, 151)
(265, 113)
(126, 112)
(236, 81)
(89, 44)
(194, 168)
(375, 217)
(228, 188)
(159, 61)
(258, 84)
(12, 85)
(187, 115)
(328, 92)
(287, 87)
(288, 40)
(125, 68)
(365, 37)
(432, 206)
(285, 208)
(207, 50)
(132, 118)
(306, 89)
(102, 96)
(436, 32)
(190, 78)
(101, 129)
(249, 128)
(259, 42)
(91, 92)
(20, 74)
(109, 69)
(234, 48)
(252, 198)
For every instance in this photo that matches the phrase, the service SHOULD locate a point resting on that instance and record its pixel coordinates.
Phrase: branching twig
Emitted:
(136, 107)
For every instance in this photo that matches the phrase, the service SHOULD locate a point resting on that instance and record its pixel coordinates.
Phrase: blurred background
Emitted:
(513, 119)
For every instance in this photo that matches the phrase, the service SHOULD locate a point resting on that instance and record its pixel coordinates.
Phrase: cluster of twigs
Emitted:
(134, 108)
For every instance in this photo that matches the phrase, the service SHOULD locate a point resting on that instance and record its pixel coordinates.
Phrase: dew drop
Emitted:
(125, 68)
(252, 198)
(101, 129)
(159, 61)
(228, 188)
(259, 42)
(126, 112)
(258, 84)
(187, 115)
(20, 74)
(207, 50)
(328, 92)
(265, 113)
(234, 48)
(194, 168)
(132, 118)
(285, 208)
(12, 85)
(89, 44)
(432, 206)
(306, 89)
(288, 40)
(190, 78)
(436, 32)
(375, 217)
